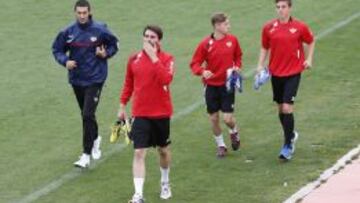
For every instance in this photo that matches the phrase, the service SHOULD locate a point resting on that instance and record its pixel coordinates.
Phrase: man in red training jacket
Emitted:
(214, 56)
(283, 38)
(148, 77)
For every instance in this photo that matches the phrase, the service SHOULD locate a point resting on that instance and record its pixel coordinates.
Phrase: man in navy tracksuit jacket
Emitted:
(83, 48)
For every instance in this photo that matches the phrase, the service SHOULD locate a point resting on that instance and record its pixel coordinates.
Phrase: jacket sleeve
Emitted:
(165, 71)
(111, 42)
(128, 86)
(306, 35)
(265, 41)
(198, 59)
(59, 48)
(237, 54)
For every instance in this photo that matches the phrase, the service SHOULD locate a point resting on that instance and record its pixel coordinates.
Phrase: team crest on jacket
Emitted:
(275, 24)
(229, 44)
(293, 30)
(93, 39)
(70, 38)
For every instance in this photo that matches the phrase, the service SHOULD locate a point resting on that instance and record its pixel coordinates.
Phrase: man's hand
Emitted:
(237, 69)
(207, 74)
(150, 51)
(122, 113)
(70, 64)
(258, 70)
(101, 52)
(307, 64)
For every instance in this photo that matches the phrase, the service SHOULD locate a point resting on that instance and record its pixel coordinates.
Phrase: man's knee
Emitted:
(163, 151)
(139, 154)
(229, 119)
(287, 108)
(214, 118)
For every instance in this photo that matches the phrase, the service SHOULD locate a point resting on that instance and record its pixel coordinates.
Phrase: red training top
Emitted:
(285, 42)
(148, 84)
(218, 55)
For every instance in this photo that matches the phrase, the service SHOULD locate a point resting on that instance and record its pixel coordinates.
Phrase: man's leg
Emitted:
(287, 121)
(286, 109)
(165, 160)
(80, 98)
(218, 136)
(213, 102)
(230, 121)
(141, 136)
(215, 125)
(227, 107)
(84, 159)
(139, 172)
(92, 98)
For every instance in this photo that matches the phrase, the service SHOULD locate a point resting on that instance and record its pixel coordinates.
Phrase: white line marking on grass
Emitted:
(340, 164)
(54, 185)
(338, 25)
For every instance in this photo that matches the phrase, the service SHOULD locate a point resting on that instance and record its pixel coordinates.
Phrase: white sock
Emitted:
(165, 174)
(233, 130)
(220, 140)
(138, 184)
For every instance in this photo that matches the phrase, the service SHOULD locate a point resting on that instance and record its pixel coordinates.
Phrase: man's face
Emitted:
(150, 36)
(223, 27)
(283, 9)
(82, 14)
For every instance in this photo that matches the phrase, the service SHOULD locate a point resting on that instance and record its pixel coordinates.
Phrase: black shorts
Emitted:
(150, 132)
(217, 98)
(285, 88)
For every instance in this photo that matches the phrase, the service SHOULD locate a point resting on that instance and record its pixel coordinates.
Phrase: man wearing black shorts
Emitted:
(214, 56)
(283, 38)
(148, 77)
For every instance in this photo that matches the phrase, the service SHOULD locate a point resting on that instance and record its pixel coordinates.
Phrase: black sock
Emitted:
(288, 126)
(281, 118)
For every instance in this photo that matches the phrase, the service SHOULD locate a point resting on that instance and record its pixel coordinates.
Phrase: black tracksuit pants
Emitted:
(88, 98)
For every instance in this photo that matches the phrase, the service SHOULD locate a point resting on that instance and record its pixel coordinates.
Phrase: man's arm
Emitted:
(197, 60)
(262, 58)
(110, 42)
(165, 71)
(127, 91)
(59, 49)
(237, 55)
(309, 51)
(128, 86)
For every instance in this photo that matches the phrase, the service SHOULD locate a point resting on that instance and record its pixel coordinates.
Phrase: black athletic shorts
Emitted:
(285, 88)
(217, 98)
(150, 132)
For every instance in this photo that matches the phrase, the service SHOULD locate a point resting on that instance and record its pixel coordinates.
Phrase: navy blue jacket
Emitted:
(78, 42)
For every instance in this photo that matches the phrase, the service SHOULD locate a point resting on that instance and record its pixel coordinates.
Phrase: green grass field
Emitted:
(40, 134)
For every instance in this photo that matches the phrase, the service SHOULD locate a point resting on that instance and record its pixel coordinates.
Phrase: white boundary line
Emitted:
(338, 25)
(54, 185)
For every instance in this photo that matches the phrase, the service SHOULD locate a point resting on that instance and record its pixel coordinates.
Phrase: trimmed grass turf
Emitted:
(40, 125)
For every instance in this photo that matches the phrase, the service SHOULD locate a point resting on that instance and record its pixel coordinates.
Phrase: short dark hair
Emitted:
(288, 2)
(218, 17)
(82, 3)
(156, 29)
